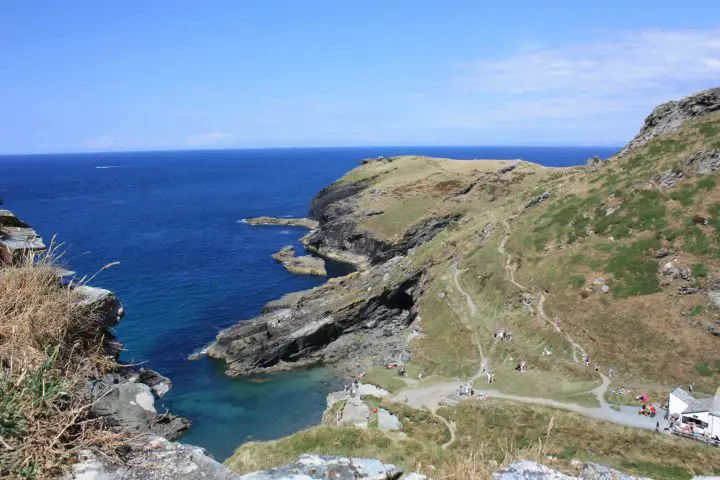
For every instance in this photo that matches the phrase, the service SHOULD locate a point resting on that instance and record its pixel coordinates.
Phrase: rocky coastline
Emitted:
(352, 322)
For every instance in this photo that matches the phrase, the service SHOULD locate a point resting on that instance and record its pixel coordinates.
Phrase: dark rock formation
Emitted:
(670, 116)
(299, 329)
(508, 169)
(341, 239)
(537, 200)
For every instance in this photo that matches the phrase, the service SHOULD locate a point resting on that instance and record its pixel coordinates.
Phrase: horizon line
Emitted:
(228, 149)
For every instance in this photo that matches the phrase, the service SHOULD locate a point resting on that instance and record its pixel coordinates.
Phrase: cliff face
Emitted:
(311, 327)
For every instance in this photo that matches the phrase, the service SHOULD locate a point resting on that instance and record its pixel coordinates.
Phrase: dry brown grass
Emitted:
(49, 345)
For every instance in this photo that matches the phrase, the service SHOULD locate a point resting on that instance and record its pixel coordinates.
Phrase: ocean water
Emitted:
(188, 266)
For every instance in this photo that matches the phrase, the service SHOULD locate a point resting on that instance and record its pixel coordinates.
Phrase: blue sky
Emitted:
(143, 75)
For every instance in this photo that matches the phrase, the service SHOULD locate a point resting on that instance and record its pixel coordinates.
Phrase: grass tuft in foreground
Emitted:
(49, 345)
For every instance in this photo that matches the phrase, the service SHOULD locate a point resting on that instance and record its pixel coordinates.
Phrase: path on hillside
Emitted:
(510, 272)
(434, 395)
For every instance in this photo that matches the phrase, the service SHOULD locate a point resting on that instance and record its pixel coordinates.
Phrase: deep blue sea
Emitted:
(188, 265)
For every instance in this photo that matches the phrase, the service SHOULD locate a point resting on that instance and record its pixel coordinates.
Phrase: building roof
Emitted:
(683, 395)
(711, 405)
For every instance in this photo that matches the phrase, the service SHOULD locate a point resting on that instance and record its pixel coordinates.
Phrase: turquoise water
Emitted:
(189, 267)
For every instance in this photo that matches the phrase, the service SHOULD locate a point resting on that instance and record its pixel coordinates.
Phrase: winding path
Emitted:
(432, 396)
(510, 271)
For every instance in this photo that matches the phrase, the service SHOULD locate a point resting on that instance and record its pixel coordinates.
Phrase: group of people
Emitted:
(503, 334)
(522, 367)
(352, 387)
(648, 410)
(467, 390)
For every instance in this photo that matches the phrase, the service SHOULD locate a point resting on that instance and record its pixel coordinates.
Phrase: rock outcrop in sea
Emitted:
(303, 265)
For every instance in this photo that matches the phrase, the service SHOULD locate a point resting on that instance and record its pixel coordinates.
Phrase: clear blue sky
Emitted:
(85, 75)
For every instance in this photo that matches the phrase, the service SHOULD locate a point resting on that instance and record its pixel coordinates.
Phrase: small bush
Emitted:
(697, 310)
(576, 281)
(704, 369)
(707, 183)
(699, 270)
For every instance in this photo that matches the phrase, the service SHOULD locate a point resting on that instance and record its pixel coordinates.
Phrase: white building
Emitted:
(703, 415)
(679, 401)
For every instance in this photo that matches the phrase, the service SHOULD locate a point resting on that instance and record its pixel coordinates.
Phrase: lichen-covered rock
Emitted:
(153, 458)
(664, 180)
(125, 401)
(315, 467)
(527, 470)
(704, 161)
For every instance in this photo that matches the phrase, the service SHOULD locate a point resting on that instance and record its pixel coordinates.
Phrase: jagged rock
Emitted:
(704, 161)
(668, 117)
(664, 180)
(126, 403)
(663, 252)
(388, 421)
(304, 265)
(289, 222)
(689, 290)
(508, 169)
(315, 467)
(153, 458)
(486, 232)
(16, 238)
(103, 303)
(306, 328)
(537, 200)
